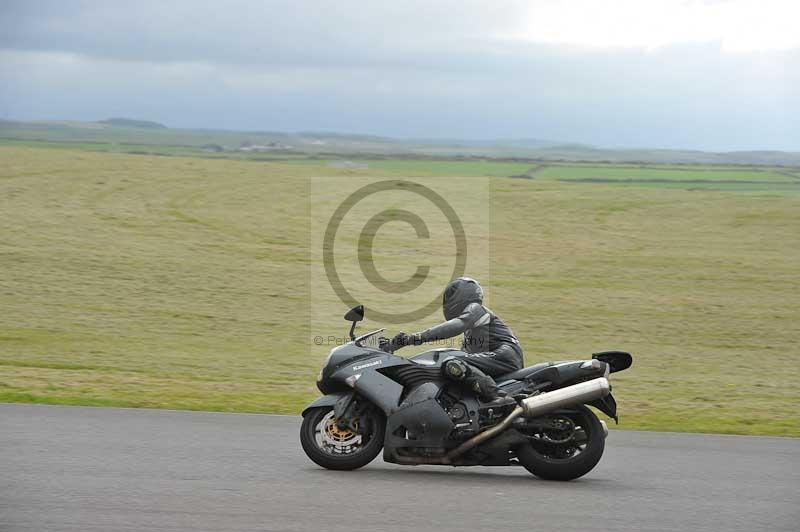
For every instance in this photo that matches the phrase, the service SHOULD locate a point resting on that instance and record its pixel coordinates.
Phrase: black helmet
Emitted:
(458, 294)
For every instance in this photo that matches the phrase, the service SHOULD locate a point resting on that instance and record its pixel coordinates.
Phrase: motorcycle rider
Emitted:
(490, 347)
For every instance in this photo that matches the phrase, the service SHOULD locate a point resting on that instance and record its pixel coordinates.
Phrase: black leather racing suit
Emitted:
(489, 343)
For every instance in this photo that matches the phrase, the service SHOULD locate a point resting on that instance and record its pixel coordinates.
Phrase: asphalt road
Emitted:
(98, 469)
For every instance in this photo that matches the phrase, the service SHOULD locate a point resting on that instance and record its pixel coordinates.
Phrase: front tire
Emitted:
(332, 447)
(569, 460)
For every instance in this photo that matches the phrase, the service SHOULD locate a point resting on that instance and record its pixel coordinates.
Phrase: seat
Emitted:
(521, 374)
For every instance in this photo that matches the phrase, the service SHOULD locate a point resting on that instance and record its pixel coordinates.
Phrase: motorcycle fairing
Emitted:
(364, 376)
(418, 422)
(380, 390)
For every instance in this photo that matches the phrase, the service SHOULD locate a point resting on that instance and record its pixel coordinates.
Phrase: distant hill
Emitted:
(121, 131)
(130, 122)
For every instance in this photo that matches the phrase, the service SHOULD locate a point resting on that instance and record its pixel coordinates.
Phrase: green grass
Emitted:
(177, 282)
(617, 173)
(450, 168)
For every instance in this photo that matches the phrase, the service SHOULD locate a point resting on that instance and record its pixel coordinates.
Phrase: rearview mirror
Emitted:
(355, 313)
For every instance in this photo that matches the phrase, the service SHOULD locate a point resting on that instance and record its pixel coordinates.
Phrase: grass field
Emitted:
(183, 282)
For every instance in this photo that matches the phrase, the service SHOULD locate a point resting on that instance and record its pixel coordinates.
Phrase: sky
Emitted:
(712, 75)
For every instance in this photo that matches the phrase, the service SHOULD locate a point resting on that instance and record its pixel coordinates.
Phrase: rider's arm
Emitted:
(474, 314)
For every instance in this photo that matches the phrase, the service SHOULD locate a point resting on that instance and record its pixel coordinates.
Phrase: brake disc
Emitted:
(339, 440)
(559, 430)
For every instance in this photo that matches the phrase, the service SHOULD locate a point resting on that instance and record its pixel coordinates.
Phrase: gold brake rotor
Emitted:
(336, 433)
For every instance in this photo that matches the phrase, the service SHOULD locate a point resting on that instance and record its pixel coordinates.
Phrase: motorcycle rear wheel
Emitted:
(332, 447)
(554, 462)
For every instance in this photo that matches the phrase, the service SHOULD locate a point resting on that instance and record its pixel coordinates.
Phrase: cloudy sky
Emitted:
(716, 74)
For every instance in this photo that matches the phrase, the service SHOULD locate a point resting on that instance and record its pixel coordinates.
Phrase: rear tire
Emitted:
(537, 461)
(342, 450)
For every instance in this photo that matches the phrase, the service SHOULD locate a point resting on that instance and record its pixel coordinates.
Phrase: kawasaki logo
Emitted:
(368, 364)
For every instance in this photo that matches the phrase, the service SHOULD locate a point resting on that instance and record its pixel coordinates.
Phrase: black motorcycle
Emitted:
(376, 400)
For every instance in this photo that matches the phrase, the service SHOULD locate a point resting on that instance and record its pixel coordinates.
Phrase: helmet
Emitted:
(458, 294)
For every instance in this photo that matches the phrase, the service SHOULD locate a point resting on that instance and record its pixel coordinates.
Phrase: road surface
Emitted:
(108, 470)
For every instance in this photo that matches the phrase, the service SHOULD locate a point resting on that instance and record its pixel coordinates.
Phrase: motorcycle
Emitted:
(375, 400)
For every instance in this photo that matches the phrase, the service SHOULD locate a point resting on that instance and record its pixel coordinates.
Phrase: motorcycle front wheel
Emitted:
(568, 448)
(343, 448)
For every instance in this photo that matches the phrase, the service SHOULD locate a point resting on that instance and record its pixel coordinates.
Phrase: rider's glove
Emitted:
(402, 339)
(399, 340)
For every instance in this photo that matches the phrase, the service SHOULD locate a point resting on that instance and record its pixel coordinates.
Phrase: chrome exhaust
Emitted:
(583, 392)
(538, 405)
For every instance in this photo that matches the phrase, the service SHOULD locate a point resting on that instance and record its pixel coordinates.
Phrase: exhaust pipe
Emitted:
(583, 392)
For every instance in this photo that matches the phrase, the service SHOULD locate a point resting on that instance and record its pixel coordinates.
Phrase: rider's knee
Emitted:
(456, 369)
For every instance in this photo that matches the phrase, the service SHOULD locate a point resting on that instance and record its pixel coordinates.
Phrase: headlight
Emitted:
(327, 359)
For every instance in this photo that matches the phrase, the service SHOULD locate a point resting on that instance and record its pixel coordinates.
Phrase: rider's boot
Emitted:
(486, 388)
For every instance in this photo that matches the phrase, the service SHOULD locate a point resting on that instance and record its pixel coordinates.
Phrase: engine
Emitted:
(467, 413)
(461, 411)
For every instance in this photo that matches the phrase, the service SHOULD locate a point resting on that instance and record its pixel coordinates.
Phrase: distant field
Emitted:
(182, 282)
(777, 180)
(742, 179)
(613, 173)
(690, 174)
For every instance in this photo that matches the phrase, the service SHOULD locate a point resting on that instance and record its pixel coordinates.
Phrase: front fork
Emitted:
(346, 411)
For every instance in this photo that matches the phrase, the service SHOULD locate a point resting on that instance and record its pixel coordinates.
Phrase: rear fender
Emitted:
(607, 405)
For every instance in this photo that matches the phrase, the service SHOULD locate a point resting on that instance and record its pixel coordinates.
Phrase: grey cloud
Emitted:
(257, 33)
(400, 69)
